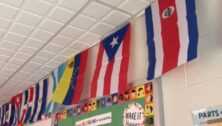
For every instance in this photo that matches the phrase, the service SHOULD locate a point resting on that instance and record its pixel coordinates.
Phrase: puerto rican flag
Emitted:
(172, 35)
(110, 75)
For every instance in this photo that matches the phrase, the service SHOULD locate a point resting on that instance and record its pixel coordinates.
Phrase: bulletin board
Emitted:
(138, 110)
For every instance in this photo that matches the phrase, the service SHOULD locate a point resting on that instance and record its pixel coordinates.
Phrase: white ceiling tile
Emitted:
(22, 56)
(21, 29)
(4, 23)
(53, 64)
(51, 26)
(10, 45)
(71, 32)
(116, 18)
(28, 50)
(39, 60)
(133, 6)
(7, 72)
(15, 38)
(6, 52)
(29, 19)
(52, 1)
(78, 46)
(4, 58)
(35, 43)
(12, 66)
(46, 54)
(112, 2)
(90, 38)
(38, 7)
(7, 11)
(102, 28)
(61, 14)
(74, 5)
(17, 61)
(47, 68)
(69, 52)
(61, 40)
(33, 65)
(15, 3)
(42, 35)
(42, 73)
(1, 33)
(96, 10)
(28, 69)
(60, 59)
(53, 48)
(83, 22)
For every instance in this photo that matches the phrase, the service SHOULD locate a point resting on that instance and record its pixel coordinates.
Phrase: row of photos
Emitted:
(141, 91)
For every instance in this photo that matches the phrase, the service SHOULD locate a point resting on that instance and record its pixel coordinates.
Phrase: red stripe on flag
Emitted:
(123, 75)
(107, 78)
(80, 78)
(170, 36)
(23, 116)
(97, 71)
(31, 94)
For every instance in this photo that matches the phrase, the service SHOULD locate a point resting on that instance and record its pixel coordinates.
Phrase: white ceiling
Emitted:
(38, 35)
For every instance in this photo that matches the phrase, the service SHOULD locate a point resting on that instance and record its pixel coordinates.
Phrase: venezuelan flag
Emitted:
(69, 88)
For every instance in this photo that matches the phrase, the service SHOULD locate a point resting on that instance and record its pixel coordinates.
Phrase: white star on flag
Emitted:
(114, 42)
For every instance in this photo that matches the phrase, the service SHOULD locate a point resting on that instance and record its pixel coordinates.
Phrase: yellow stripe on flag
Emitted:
(64, 83)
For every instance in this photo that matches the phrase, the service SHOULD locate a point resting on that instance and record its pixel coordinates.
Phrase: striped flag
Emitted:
(40, 100)
(172, 35)
(70, 86)
(54, 79)
(16, 100)
(26, 109)
(110, 75)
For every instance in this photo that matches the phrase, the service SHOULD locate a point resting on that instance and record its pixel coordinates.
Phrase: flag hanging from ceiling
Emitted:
(40, 100)
(70, 86)
(26, 109)
(54, 79)
(172, 35)
(110, 75)
(17, 100)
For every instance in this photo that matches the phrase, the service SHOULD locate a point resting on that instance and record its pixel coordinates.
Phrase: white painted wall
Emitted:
(198, 84)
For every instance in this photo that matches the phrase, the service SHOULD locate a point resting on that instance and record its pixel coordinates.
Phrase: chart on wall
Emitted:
(132, 108)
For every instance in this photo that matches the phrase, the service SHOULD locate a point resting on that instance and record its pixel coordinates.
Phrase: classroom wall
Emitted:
(198, 84)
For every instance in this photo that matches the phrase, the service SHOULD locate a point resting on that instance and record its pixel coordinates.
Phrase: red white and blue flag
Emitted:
(172, 35)
(110, 75)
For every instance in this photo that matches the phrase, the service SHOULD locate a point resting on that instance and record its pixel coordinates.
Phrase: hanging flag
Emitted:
(172, 35)
(40, 100)
(26, 109)
(17, 100)
(70, 86)
(54, 79)
(110, 75)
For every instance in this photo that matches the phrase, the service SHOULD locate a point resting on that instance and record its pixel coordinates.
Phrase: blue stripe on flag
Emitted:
(44, 98)
(70, 93)
(150, 43)
(192, 29)
(12, 117)
(35, 102)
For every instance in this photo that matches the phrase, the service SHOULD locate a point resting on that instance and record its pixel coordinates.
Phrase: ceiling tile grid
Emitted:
(38, 35)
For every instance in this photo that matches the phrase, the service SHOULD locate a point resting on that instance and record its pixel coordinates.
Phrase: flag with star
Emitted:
(110, 75)
(70, 85)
